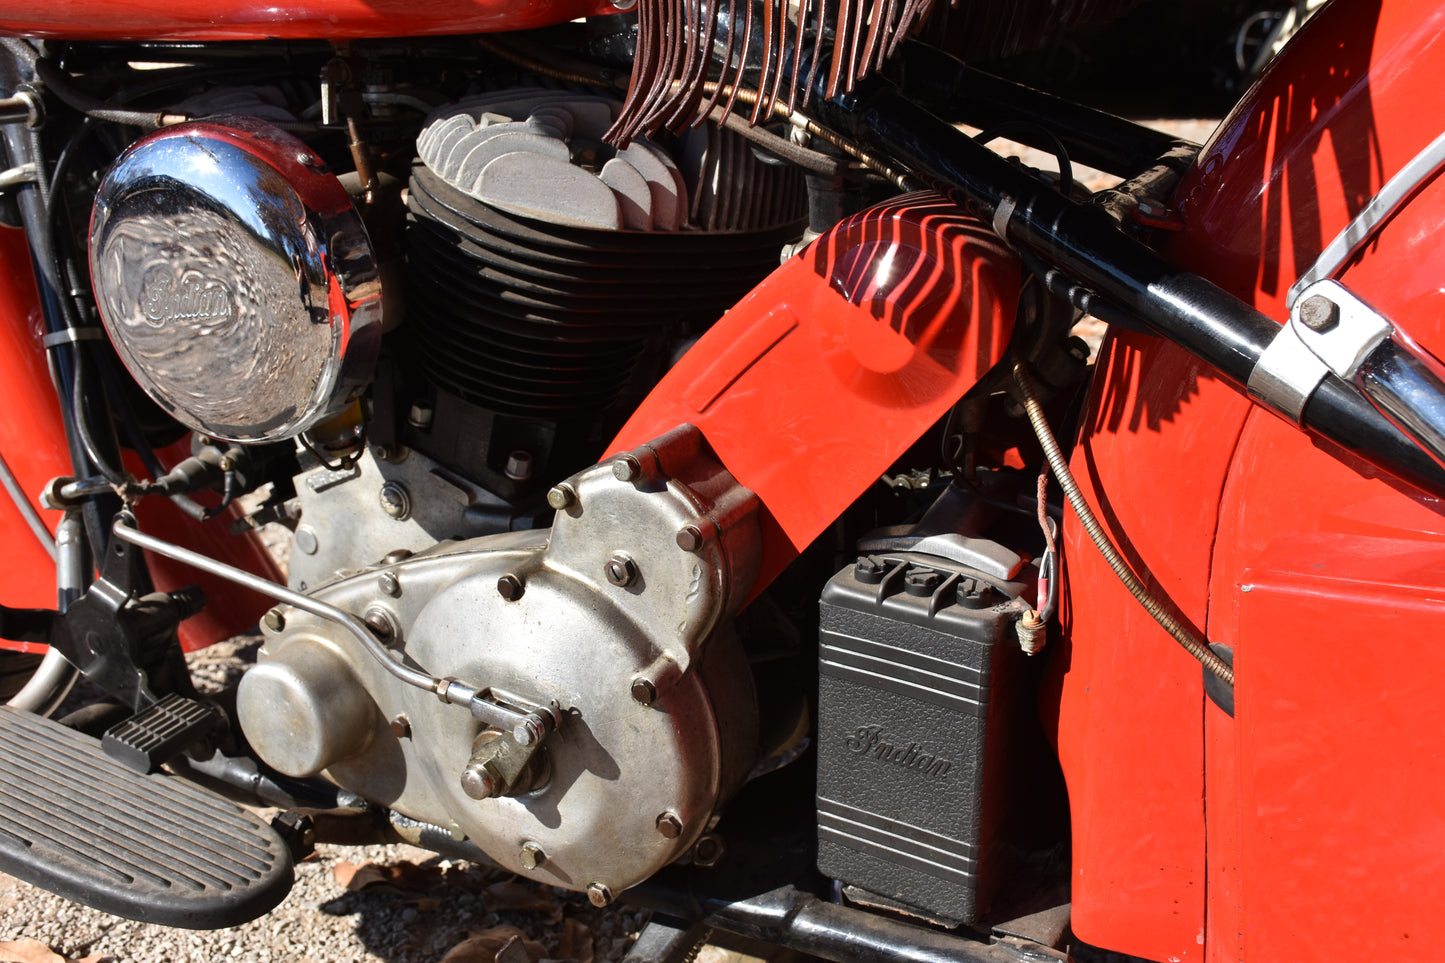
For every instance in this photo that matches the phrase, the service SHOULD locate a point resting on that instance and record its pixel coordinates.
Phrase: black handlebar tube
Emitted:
(1120, 280)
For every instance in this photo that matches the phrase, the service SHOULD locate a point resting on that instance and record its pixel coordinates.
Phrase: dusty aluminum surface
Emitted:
(617, 767)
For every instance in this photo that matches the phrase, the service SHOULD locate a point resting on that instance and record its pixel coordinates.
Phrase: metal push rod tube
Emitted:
(1118, 279)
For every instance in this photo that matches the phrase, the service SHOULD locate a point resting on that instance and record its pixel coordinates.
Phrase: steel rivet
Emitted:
(306, 540)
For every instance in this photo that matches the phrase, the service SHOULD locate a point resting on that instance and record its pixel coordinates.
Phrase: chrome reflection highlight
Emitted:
(235, 279)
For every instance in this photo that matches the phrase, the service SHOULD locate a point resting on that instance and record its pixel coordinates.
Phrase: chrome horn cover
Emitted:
(236, 279)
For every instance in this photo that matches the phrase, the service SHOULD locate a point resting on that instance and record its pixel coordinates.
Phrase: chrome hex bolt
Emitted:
(669, 826)
(510, 587)
(531, 855)
(599, 894)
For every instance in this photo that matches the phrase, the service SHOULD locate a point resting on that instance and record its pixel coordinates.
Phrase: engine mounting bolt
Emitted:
(627, 468)
(599, 894)
(644, 691)
(669, 826)
(1319, 313)
(274, 620)
(689, 538)
(519, 466)
(306, 540)
(420, 416)
(389, 584)
(528, 732)
(401, 727)
(708, 850)
(531, 855)
(620, 570)
(562, 497)
(396, 500)
(510, 587)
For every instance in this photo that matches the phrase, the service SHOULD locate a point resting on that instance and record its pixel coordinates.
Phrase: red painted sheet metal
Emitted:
(1316, 804)
(283, 19)
(815, 383)
(32, 441)
(1153, 459)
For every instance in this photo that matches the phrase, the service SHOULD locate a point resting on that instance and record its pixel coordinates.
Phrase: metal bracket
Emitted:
(1337, 327)
(1286, 375)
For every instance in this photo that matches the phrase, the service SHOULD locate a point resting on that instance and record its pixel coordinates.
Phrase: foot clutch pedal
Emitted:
(151, 848)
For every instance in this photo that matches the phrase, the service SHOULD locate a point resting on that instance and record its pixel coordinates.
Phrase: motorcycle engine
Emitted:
(548, 280)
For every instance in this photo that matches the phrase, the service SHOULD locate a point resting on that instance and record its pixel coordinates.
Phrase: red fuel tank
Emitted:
(284, 20)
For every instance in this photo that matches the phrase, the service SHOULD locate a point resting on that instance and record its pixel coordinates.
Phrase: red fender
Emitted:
(1308, 826)
(813, 385)
(32, 441)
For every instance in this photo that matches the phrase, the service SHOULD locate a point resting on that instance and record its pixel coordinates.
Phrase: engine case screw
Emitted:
(644, 691)
(420, 415)
(689, 538)
(620, 570)
(531, 855)
(599, 894)
(562, 497)
(401, 727)
(389, 584)
(1319, 313)
(396, 500)
(481, 782)
(669, 826)
(510, 587)
(627, 468)
(274, 620)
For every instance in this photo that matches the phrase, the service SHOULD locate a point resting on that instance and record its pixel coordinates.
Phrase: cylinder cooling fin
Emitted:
(543, 260)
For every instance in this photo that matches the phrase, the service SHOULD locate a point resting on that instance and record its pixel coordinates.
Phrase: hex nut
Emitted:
(620, 570)
(1319, 313)
(708, 850)
(519, 466)
(420, 415)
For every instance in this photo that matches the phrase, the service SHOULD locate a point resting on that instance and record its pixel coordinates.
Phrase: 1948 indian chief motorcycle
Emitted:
(843, 603)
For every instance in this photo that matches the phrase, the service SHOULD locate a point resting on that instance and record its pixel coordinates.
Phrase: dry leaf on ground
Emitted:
(522, 898)
(403, 875)
(576, 942)
(484, 945)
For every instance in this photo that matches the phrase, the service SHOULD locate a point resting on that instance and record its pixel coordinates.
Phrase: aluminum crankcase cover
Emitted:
(235, 279)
